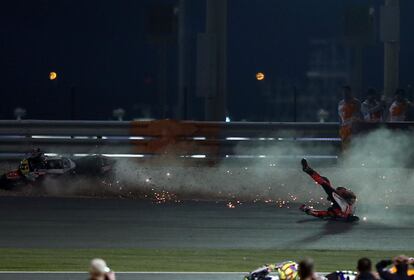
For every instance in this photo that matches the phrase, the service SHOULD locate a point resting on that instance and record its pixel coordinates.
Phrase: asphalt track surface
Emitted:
(119, 223)
(123, 276)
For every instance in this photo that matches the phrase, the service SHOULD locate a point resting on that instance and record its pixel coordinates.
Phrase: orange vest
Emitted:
(348, 111)
(398, 111)
(376, 116)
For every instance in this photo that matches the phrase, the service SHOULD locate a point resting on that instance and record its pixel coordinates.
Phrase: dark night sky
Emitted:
(101, 49)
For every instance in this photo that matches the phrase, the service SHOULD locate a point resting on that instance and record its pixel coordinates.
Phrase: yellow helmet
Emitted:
(288, 270)
(24, 167)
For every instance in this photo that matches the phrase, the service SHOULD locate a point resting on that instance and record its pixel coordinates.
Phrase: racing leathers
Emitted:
(341, 198)
(36, 160)
(260, 273)
(286, 270)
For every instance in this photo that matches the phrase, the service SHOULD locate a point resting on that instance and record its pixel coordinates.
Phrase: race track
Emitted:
(118, 223)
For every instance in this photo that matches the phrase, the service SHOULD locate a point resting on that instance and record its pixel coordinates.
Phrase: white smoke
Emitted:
(376, 167)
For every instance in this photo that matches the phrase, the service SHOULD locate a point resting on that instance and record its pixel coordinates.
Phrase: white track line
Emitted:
(134, 272)
(121, 272)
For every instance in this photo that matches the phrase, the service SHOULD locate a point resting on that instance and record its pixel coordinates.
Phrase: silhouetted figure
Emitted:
(349, 110)
(306, 270)
(399, 107)
(365, 272)
(373, 108)
(401, 264)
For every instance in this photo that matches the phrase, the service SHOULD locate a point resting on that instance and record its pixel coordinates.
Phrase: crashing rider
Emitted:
(342, 199)
(37, 159)
(287, 270)
(29, 166)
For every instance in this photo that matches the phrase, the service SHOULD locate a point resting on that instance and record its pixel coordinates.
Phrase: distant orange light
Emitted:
(52, 76)
(260, 76)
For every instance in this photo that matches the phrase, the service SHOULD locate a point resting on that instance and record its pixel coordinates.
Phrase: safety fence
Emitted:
(203, 141)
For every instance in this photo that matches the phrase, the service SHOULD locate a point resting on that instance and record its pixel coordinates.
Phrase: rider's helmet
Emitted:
(346, 194)
(24, 167)
(288, 270)
(36, 152)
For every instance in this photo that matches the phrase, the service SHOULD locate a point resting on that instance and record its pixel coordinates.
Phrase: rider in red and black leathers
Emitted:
(342, 199)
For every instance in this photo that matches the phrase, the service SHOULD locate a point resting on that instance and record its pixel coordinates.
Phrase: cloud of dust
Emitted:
(274, 176)
(379, 168)
(375, 167)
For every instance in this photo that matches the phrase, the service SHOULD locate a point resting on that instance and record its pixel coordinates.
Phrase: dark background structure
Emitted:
(125, 54)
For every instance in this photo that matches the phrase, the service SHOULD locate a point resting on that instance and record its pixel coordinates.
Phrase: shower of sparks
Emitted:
(271, 195)
(230, 205)
(293, 197)
(281, 203)
(164, 197)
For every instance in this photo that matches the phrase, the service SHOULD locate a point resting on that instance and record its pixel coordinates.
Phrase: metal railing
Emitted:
(168, 138)
(188, 139)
